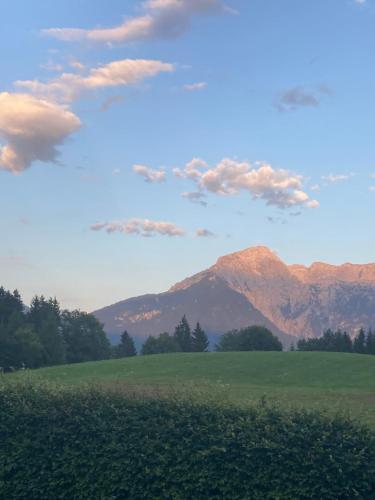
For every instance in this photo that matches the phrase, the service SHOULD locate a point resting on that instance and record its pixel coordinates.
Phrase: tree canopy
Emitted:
(252, 338)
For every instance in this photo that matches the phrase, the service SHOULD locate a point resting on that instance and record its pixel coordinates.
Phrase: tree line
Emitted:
(363, 342)
(45, 335)
(182, 340)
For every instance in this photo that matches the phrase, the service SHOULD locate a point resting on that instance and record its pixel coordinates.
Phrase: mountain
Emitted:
(250, 287)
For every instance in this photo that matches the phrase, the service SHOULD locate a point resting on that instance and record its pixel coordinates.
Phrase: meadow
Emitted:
(314, 380)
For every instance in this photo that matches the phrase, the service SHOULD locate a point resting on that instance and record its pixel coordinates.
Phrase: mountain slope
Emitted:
(254, 286)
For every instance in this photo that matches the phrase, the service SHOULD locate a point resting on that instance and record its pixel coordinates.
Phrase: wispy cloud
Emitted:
(32, 129)
(69, 86)
(195, 197)
(276, 220)
(160, 19)
(335, 178)
(149, 174)
(300, 97)
(191, 87)
(205, 233)
(141, 227)
(277, 187)
(110, 101)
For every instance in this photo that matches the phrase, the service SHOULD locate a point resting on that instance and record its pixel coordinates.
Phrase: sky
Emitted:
(141, 140)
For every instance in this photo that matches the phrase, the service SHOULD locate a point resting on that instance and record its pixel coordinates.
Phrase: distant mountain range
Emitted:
(250, 287)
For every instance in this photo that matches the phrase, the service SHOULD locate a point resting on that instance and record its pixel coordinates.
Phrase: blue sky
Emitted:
(273, 99)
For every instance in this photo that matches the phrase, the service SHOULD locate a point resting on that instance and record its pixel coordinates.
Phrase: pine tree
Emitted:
(182, 335)
(126, 347)
(44, 316)
(359, 345)
(370, 342)
(199, 340)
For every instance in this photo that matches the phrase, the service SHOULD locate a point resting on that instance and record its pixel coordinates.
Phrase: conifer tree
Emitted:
(370, 342)
(126, 347)
(182, 335)
(359, 344)
(199, 340)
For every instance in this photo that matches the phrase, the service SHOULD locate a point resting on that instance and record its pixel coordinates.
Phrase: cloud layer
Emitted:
(149, 174)
(160, 19)
(141, 227)
(277, 187)
(32, 129)
(69, 86)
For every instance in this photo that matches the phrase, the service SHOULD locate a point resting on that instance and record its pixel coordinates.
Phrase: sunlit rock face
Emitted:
(254, 286)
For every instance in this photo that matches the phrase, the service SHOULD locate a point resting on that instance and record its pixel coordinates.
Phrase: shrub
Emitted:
(91, 443)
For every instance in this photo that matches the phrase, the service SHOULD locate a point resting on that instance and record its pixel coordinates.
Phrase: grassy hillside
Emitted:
(332, 380)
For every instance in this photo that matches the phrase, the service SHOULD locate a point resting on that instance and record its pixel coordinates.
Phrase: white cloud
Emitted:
(277, 187)
(360, 2)
(141, 227)
(32, 130)
(160, 19)
(205, 233)
(149, 174)
(191, 87)
(69, 86)
(372, 188)
(195, 197)
(334, 178)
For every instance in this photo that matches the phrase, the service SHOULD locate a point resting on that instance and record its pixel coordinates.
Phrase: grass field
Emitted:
(335, 381)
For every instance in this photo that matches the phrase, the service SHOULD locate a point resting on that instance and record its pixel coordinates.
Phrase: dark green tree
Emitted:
(126, 347)
(199, 340)
(330, 341)
(182, 336)
(11, 306)
(28, 351)
(11, 319)
(45, 317)
(150, 346)
(84, 337)
(359, 344)
(370, 342)
(162, 344)
(252, 338)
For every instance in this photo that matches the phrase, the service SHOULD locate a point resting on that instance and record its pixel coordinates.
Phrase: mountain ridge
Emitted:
(292, 300)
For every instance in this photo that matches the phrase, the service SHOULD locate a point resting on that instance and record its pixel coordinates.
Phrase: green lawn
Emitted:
(335, 381)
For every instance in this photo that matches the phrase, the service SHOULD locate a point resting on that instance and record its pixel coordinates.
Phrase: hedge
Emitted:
(95, 444)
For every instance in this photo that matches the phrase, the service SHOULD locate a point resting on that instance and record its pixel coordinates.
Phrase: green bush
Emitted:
(98, 444)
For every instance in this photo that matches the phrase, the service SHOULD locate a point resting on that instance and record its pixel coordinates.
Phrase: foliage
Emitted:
(199, 340)
(125, 348)
(253, 338)
(44, 335)
(182, 335)
(87, 443)
(84, 337)
(340, 342)
(162, 344)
